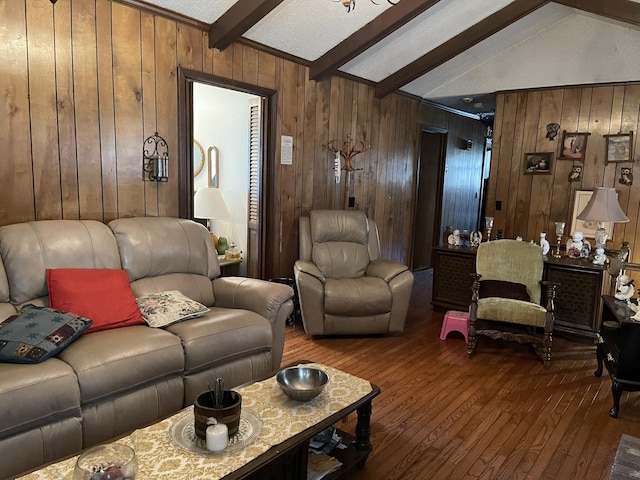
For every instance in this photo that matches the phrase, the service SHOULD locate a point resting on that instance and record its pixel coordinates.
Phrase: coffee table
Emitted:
(280, 451)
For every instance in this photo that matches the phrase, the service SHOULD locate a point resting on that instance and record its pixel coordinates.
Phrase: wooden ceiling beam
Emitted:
(240, 17)
(374, 31)
(622, 10)
(458, 44)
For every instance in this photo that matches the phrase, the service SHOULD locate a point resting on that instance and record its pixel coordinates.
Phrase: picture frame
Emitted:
(538, 163)
(573, 146)
(619, 147)
(587, 227)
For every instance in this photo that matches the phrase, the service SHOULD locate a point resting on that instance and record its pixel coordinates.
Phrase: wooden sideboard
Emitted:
(578, 297)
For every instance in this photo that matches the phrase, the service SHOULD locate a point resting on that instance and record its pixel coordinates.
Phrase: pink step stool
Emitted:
(455, 321)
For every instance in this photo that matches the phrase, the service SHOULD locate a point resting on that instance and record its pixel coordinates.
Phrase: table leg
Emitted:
(363, 431)
(599, 357)
(616, 390)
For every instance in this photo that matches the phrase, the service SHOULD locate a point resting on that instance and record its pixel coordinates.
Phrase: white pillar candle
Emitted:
(217, 437)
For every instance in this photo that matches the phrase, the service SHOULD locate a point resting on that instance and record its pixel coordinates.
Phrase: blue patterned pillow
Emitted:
(38, 333)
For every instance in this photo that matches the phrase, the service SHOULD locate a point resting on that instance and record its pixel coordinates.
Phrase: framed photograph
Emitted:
(619, 147)
(588, 227)
(537, 163)
(574, 144)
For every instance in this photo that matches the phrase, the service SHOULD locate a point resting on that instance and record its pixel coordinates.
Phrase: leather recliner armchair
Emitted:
(344, 287)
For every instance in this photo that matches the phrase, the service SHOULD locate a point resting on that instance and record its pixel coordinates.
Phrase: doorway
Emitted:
(239, 157)
(428, 207)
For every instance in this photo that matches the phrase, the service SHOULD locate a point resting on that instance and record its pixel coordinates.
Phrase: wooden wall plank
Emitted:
(42, 96)
(166, 61)
(266, 70)
(309, 141)
(149, 117)
(551, 108)
(66, 114)
(128, 109)
(323, 163)
(223, 62)
(87, 119)
(106, 112)
(250, 65)
(16, 178)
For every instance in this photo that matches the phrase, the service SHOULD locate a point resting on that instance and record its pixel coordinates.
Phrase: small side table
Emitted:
(618, 349)
(229, 268)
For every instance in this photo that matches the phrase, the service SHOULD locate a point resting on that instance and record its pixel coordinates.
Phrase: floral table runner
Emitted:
(281, 417)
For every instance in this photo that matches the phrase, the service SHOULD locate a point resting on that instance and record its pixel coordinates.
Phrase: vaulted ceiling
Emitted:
(454, 52)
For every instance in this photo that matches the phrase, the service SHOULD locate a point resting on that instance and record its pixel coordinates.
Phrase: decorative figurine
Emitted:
(626, 176)
(454, 238)
(578, 247)
(625, 288)
(544, 243)
(600, 258)
(575, 175)
(476, 238)
(445, 235)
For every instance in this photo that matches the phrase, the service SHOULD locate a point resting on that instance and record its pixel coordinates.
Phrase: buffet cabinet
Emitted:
(578, 296)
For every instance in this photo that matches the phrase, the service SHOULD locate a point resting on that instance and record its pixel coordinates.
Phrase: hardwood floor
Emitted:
(497, 415)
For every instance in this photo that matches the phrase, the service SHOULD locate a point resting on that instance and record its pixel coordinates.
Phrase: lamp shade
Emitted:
(603, 207)
(209, 204)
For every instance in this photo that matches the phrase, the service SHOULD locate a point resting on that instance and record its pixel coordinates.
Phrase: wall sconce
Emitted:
(155, 159)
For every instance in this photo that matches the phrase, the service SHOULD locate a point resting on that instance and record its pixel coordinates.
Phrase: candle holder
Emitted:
(488, 223)
(559, 232)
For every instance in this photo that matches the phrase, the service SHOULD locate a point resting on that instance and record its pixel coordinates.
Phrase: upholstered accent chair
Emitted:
(344, 287)
(506, 297)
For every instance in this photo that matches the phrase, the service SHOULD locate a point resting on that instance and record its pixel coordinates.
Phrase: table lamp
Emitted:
(209, 204)
(603, 207)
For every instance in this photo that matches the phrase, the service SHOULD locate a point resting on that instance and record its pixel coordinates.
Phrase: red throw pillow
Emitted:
(104, 296)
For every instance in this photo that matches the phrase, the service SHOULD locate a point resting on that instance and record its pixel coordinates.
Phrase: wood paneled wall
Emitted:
(532, 203)
(84, 82)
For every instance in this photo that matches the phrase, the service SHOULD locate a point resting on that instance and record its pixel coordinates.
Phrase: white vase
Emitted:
(544, 243)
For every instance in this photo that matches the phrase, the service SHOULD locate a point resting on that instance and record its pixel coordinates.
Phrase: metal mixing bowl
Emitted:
(302, 383)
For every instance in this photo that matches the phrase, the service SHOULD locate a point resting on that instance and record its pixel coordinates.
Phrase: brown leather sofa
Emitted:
(113, 381)
(344, 287)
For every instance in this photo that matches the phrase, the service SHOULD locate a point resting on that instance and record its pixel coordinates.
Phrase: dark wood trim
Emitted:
(622, 10)
(185, 159)
(458, 44)
(240, 17)
(186, 77)
(374, 31)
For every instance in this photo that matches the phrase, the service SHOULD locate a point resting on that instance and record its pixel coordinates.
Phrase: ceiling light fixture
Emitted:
(351, 4)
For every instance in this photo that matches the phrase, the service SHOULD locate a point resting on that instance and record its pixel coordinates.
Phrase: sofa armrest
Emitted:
(310, 283)
(274, 301)
(385, 269)
(305, 266)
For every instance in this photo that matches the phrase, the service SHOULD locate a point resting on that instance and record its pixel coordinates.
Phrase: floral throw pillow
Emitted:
(38, 333)
(164, 308)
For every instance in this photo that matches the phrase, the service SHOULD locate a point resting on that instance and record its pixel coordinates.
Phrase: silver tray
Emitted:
(184, 436)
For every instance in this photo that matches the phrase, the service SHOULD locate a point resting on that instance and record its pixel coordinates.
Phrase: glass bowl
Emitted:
(107, 462)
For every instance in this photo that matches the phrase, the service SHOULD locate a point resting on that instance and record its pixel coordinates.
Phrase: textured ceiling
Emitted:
(553, 45)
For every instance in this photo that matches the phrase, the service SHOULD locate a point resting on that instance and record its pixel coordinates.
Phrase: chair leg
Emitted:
(472, 339)
(546, 344)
